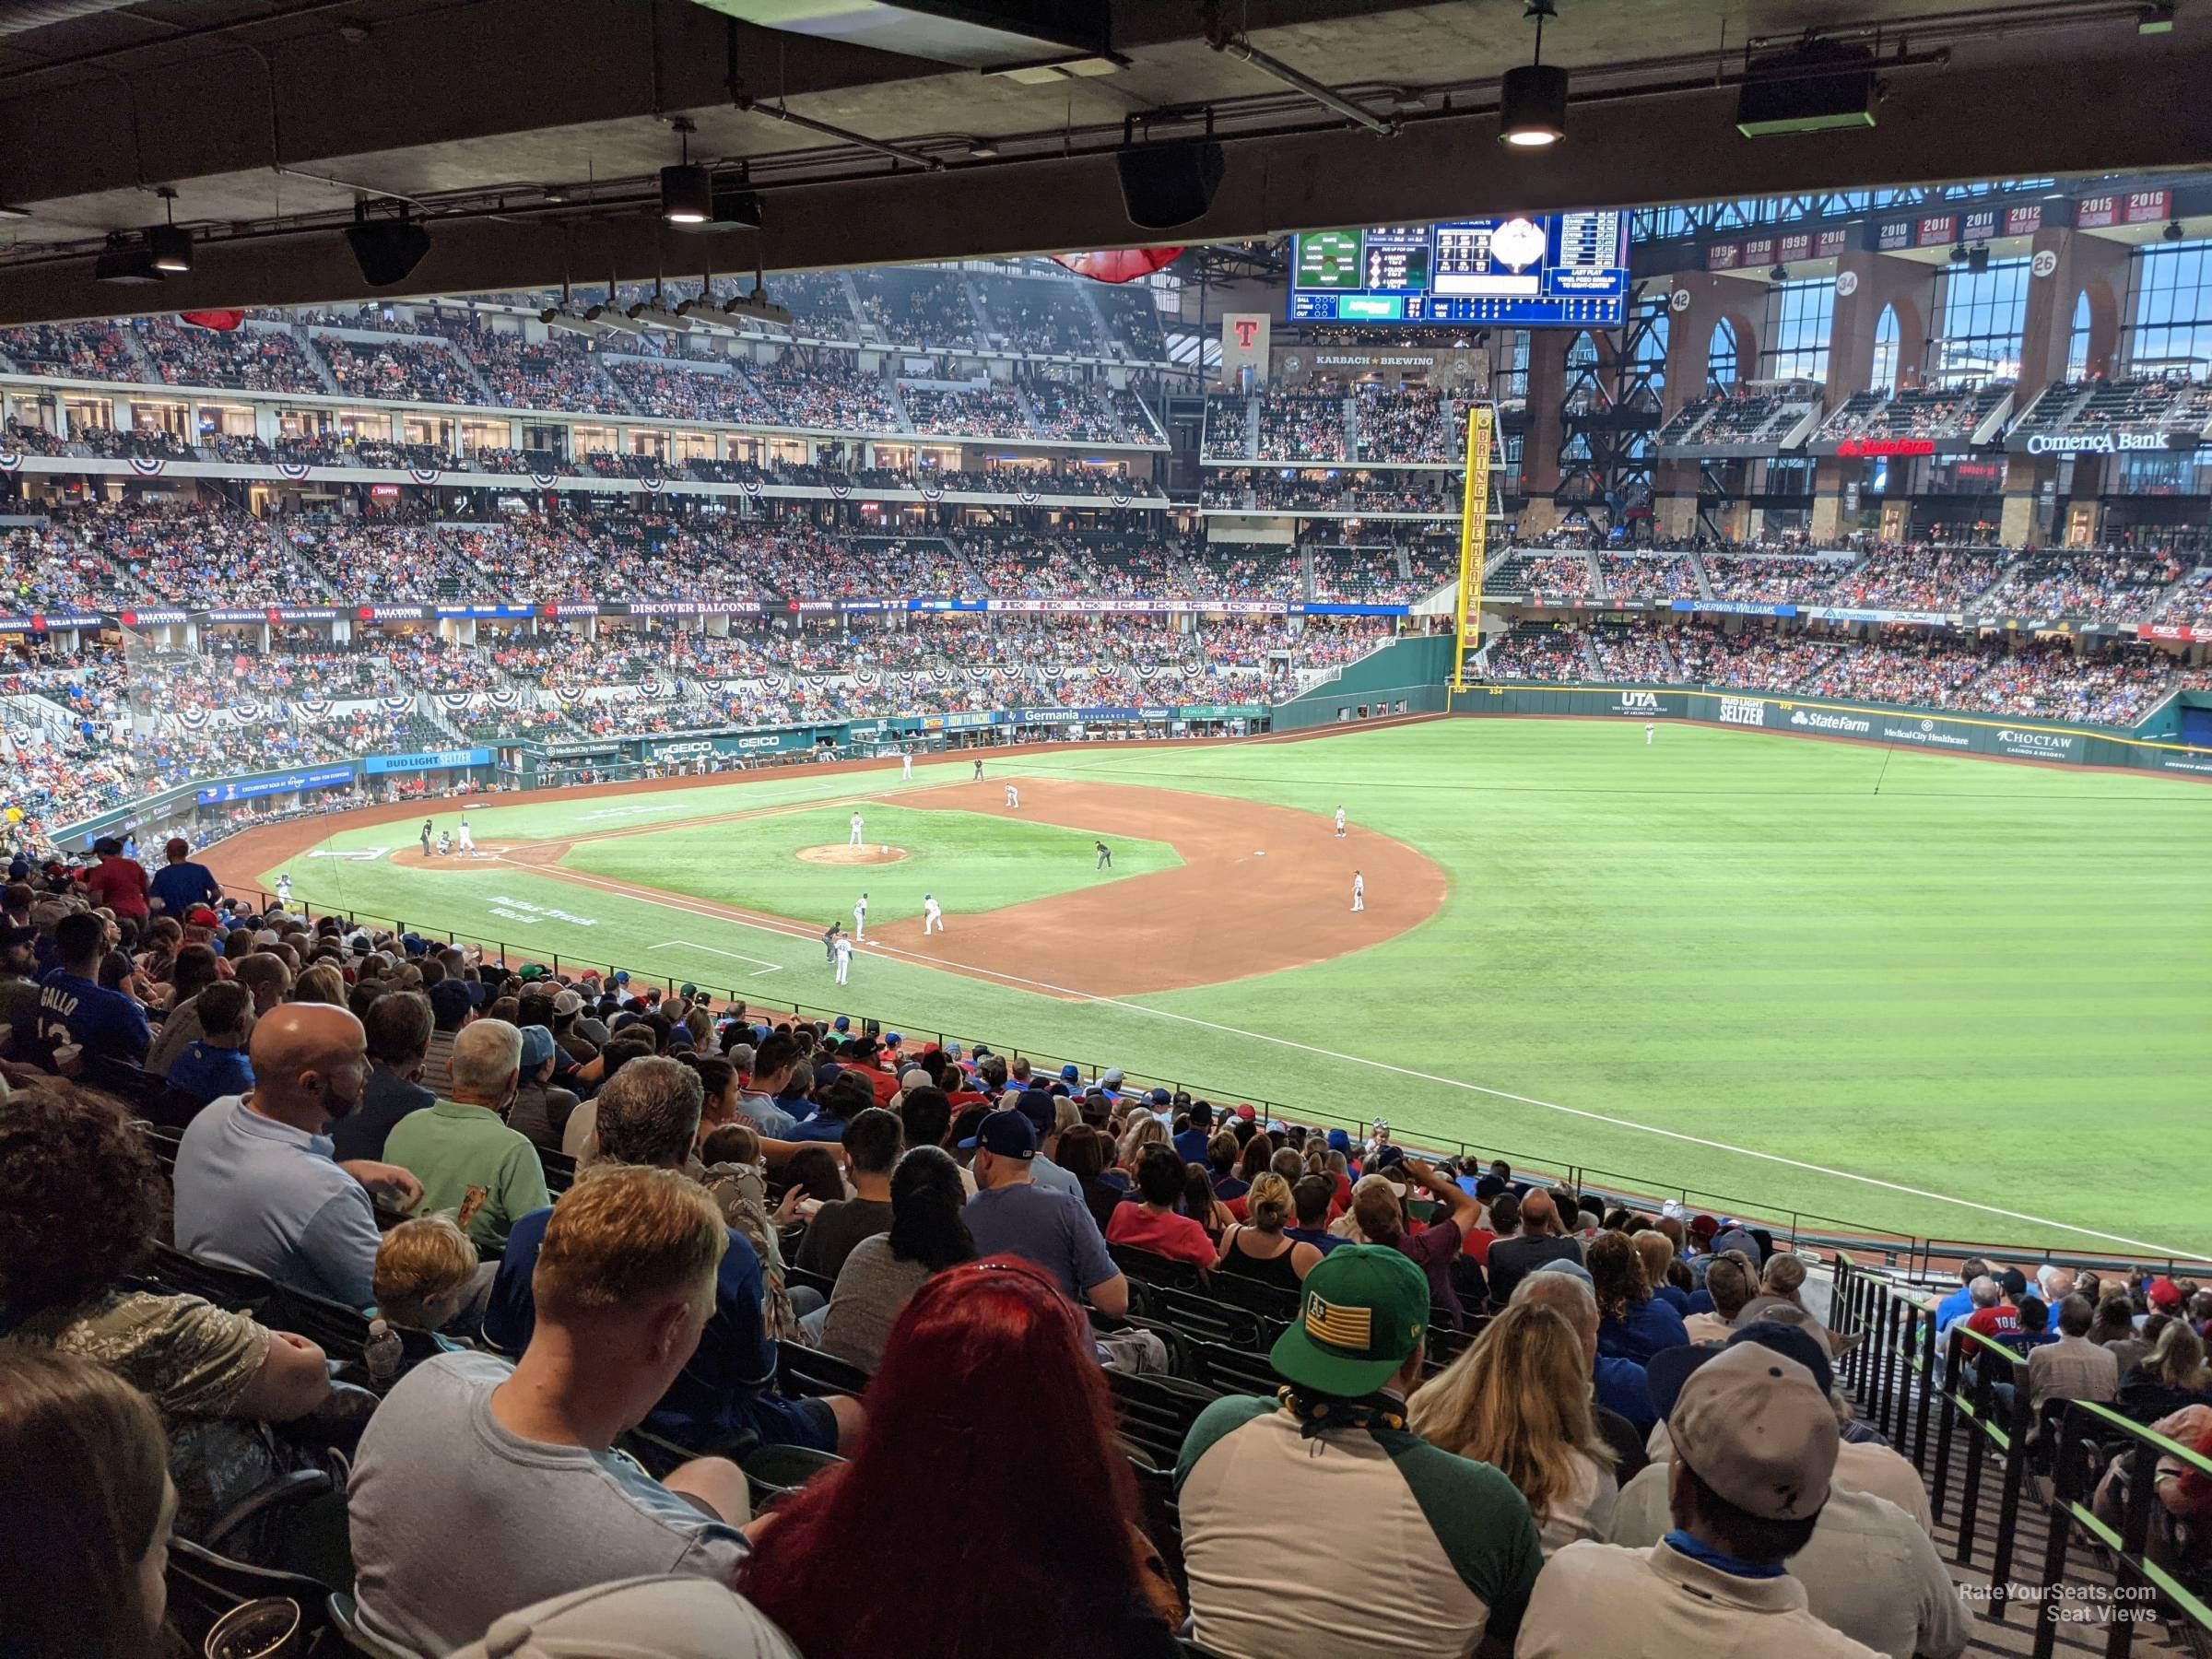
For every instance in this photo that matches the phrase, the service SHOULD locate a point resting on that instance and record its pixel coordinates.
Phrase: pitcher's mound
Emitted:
(852, 856)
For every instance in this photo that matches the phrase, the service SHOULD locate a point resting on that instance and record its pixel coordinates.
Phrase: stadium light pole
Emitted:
(1474, 538)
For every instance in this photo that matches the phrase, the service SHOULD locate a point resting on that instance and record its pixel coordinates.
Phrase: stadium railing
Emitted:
(2147, 1553)
(1983, 1397)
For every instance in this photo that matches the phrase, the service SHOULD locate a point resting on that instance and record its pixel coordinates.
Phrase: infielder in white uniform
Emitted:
(283, 892)
(1013, 795)
(855, 838)
(1340, 823)
(906, 765)
(860, 918)
(844, 957)
(1648, 729)
(933, 919)
(1359, 891)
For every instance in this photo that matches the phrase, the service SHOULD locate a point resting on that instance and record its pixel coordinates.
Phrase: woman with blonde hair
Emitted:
(1658, 1253)
(2171, 1376)
(1519, 1399)
(1256, 1249)
(1147, 1131)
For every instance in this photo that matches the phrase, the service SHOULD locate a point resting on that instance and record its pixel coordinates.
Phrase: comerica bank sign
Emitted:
(2095, 443)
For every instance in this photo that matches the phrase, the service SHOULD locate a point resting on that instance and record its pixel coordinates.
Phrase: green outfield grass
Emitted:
(1984, 982)
(972, 861)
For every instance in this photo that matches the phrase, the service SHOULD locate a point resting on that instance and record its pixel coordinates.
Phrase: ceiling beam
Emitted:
(2137, 109)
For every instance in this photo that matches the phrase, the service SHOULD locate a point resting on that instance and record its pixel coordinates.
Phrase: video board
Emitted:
(1546, 270)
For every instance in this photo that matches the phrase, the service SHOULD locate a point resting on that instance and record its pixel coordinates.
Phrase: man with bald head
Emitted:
(255, 1184)
(1542, 1238)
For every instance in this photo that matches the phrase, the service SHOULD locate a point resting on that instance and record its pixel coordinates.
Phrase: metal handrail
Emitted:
(2086, 1431)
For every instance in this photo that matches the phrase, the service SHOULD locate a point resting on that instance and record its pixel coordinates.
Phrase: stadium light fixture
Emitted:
(687, 191)
(2175, 231)
(757, 306)
(1531, 101)
(654, 314)
(612, 320)
(170, 244)
(7, 212)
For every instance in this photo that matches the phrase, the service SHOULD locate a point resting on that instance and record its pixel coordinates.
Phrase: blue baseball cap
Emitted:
(1339, 1141)
(1041, 1108)
(893, 1040)
(1070, 1072)
(623, 976)
(1006, 1134)
(1158, 1097)
(840, 1024)
(537, 1046)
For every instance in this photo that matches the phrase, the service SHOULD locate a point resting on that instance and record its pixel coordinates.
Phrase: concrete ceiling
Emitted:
(530, 131)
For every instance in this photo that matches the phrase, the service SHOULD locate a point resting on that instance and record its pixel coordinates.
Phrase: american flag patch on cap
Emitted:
(1352, 1329)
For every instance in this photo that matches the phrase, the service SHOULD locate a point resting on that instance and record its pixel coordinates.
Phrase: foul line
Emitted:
(737, 956)
(798, 930)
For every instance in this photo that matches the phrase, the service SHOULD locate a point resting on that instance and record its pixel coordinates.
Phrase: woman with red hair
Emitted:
(987, 1514)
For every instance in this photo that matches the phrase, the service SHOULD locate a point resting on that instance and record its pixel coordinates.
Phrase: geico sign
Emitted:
(674, 751)
(2093, 443)
(1831, 722)
(1743, 711)
(1638, 702)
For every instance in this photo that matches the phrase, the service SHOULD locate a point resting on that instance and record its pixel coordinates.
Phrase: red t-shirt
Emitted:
(120, 884)
(1477, 1244)
(1997, 1322)
(1176, 1237)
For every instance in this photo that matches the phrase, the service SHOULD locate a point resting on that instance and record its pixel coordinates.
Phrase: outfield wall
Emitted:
(2049, 741)
(1406, 677)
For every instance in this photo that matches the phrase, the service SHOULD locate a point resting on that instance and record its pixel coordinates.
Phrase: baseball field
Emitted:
(1906, 992)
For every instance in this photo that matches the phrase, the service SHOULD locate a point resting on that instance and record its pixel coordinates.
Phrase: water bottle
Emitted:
(382, 1356)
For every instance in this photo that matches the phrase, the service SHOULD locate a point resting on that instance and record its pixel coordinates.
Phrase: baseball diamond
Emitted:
(1633, 955)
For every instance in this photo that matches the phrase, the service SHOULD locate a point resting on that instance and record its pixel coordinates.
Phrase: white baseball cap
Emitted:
(677, 1617)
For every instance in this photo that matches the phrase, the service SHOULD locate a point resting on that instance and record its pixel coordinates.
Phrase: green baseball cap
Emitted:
(1364, 1308)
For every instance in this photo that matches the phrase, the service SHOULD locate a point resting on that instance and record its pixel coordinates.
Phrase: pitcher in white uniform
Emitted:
(855, 840)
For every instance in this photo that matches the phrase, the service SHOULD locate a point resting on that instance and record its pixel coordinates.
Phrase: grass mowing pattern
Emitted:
(973, 862)
(1979, 982)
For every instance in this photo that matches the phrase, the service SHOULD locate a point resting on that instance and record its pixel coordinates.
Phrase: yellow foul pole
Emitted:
(1474, 538)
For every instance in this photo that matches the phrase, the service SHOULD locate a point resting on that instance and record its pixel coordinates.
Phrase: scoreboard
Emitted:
(1546, 270)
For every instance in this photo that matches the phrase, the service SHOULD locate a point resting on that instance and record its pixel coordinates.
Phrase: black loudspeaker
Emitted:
(1164, 185)
(387, 250)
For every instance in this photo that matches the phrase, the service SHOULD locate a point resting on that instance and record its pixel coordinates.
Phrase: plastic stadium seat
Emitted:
(802, 1370)
(1153, 1269)
(813, 1281)
(1235, 1371)
(560, 1170)
(1270, 1302)
(239, 1288)
(1202, 1317)
(341, 1332)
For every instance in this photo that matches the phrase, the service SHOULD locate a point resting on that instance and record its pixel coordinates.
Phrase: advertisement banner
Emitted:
(1731, 607)
(1862, 723)
(2038, 743)
(427, 760)
(274, 784)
